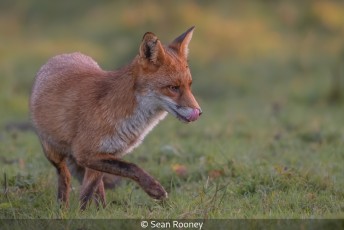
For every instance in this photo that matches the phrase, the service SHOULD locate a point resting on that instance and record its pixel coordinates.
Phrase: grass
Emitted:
(269, 144)
(209, 170)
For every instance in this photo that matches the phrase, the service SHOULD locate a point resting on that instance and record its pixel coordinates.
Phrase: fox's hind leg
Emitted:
(58, 159)
(90, 184)
(99, 197)
(79, 172)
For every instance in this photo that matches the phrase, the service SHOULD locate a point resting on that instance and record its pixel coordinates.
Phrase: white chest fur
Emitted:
(130, 131)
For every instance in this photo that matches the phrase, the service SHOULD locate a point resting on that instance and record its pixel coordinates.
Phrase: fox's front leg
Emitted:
(109, 164)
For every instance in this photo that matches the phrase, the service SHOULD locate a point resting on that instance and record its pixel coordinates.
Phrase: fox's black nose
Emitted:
(200, 111)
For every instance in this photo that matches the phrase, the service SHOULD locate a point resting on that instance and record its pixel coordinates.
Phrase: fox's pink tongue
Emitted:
(194, 115)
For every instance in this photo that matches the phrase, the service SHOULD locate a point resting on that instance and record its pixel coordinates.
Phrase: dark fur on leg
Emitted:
(110, 181)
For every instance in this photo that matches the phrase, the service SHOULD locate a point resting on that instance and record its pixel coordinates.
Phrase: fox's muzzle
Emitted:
(194, 115)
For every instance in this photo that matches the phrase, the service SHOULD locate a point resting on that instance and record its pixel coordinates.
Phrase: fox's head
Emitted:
(164, 76)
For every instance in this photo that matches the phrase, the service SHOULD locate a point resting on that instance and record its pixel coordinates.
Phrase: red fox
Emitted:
(89, 117)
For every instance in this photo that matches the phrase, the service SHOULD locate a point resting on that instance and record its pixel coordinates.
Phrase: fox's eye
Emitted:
(174, 88)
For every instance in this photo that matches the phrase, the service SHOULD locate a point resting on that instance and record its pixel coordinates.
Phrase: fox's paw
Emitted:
(155, 190)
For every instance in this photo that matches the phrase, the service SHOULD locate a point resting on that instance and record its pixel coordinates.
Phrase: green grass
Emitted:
(245, 168)
(270, 143)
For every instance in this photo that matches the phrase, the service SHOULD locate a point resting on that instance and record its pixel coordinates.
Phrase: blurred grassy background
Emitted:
(277, 50)
(269, 76)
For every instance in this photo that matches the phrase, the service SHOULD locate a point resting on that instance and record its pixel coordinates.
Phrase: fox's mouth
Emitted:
(181, 117)
(182, 113)
(192, 116)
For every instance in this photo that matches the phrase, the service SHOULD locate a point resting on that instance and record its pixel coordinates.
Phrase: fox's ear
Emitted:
(181, 43)
(151, 49)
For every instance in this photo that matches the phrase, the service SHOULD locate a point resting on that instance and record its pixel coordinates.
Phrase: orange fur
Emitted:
(88, 118)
